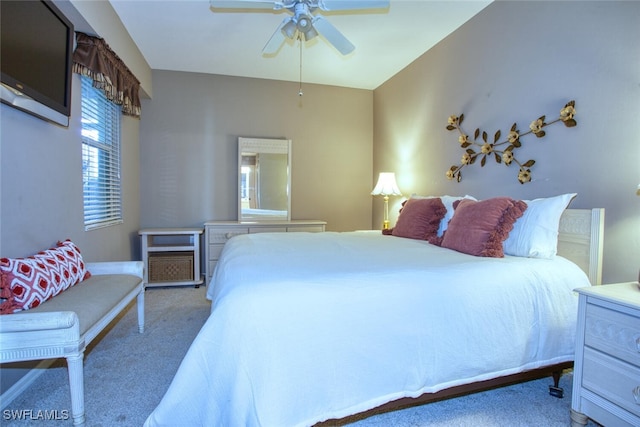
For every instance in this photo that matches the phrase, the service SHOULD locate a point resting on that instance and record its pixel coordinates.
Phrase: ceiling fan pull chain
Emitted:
(300, 90)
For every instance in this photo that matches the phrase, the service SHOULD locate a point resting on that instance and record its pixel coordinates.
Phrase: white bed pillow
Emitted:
(448, 203)
(535, 234)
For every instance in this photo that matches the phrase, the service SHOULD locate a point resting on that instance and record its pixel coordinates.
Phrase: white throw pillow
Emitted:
(535, 234)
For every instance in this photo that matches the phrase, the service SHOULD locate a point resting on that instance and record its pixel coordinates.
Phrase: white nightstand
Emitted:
(171, 256)
(606, 381)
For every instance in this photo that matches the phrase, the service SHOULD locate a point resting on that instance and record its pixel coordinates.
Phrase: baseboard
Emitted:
(23, 383)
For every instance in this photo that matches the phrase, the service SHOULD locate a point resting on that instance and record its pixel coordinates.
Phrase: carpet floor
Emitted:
(126, 374)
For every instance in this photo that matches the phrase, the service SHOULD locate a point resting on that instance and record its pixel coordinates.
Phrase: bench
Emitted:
(64, 325)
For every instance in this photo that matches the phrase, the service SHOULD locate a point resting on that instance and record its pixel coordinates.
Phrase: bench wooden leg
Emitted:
(76, 386)
(141, 311)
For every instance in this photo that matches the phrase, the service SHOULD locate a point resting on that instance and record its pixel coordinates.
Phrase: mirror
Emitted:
(264, 179)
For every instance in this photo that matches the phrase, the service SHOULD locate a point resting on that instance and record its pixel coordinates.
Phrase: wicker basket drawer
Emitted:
(170, 266)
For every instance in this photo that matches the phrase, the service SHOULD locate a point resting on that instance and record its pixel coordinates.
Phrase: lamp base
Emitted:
(385, 219)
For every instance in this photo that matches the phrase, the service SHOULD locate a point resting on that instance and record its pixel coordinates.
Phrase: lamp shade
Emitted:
(386, 185)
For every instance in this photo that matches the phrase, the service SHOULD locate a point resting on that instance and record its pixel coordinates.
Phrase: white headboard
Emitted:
(580, 240)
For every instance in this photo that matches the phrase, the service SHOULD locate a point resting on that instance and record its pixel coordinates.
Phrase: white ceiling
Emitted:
(186, 35)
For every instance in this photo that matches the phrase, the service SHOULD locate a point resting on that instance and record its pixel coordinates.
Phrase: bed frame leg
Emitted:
(555, 390)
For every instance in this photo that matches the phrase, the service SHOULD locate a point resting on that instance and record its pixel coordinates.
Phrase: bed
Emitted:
(310, 327)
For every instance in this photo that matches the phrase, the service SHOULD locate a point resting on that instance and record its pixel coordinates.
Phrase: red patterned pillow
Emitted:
(27, 282)
(479, 228)
(420, 219)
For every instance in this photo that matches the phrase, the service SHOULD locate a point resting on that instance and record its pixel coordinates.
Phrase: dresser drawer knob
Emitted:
(638, 344)
(228, 235)
(636, 394)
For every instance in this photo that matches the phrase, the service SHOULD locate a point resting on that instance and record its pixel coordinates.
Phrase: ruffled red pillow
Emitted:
(28, 282)
(420, 219)
(479, 228)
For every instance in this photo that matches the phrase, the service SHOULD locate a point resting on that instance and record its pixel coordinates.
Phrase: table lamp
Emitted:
(386, 187)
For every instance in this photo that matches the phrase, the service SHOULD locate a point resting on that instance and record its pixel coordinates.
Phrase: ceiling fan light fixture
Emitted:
(289, 29)
(303, 20)
(304, 23)
(310, 34)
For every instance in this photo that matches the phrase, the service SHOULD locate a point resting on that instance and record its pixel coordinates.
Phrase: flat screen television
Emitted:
(35, 58)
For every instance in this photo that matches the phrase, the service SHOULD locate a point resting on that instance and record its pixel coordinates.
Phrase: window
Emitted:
(100, 158)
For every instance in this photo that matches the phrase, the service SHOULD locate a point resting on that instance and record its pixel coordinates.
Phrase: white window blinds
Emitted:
(100, 158)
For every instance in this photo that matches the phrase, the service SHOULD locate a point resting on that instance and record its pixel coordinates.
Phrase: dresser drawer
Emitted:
(211, 267)
(613, 332)
(274, 229)
(614, 380)
(221, 235)
(214, 252)
(307, 228)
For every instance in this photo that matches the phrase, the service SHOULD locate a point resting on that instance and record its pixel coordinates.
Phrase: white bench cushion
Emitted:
(92, 298)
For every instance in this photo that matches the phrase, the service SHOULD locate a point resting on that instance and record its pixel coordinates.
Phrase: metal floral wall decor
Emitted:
(502, 152)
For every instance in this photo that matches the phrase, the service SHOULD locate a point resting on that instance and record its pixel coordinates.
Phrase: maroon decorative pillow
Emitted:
(479, 228)
(420, 219)
(27, 282)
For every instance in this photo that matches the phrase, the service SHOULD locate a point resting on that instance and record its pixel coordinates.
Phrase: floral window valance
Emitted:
(94, 58)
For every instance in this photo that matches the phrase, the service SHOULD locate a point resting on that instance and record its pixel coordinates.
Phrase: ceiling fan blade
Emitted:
(246, 4)
(276, 39)
(333, 36)
(330, 5)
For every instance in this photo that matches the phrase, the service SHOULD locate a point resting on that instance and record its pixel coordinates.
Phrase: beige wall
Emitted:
(41, 175)
(188, 144)
(514, 62)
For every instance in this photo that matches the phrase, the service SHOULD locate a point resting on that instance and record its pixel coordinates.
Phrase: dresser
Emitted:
(606, 382)
(218, 232)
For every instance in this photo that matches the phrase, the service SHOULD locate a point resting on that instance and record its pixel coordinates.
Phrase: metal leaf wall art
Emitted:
(502, 151)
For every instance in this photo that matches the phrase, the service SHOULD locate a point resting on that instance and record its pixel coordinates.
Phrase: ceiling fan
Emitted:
(303, 23)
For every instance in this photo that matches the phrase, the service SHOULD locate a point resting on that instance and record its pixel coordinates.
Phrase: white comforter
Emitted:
(307, 327)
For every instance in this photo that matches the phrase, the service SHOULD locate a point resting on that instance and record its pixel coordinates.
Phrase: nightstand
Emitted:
(606, 380)
(171, 256)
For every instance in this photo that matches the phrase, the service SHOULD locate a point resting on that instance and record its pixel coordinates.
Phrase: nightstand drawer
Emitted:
(613, 332)
(614, 380)
(221, 235)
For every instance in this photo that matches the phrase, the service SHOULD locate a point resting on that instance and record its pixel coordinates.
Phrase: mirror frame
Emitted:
(263, 145)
